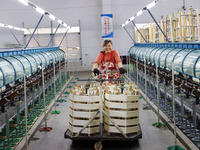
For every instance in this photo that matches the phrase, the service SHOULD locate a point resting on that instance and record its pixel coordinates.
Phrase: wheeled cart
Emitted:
(103, 115)
(105, 137)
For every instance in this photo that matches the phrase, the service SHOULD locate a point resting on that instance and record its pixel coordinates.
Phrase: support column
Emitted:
(52, 42)
(106, 6)
(24, 37)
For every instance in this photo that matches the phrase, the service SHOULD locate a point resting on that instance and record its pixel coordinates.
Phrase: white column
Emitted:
(106, 7)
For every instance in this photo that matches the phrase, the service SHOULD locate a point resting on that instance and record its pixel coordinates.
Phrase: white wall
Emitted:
(6, 37)
(88, 12)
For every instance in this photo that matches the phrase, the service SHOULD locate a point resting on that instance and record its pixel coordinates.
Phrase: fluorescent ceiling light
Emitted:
(68, 27)
(75, 29)
(132, 18)
(152, 4)
(25, 2)
(140, 12)
(127, 22)
(149, 6)
(16, 28)
(9, 26)
(23, 29)
(52, 17)
(12, 27)
(40, 10)
(59, 21)
(64, 24)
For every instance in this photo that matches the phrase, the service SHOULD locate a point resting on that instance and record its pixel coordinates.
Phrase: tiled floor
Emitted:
(153, 138)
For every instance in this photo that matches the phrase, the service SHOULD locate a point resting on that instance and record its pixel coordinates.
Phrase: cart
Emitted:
(105, 137)
(102, 135)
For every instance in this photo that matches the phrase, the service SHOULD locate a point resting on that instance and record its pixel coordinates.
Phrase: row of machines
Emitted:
(12, 71)
(185, 59)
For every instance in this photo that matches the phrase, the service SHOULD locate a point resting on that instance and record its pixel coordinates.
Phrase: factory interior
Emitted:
(99, 75)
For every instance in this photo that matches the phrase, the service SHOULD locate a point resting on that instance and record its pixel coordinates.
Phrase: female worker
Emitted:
(108, 58)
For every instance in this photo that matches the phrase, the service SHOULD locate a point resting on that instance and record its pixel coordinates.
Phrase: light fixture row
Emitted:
(43, 12)
(149, 6)
(12, 27)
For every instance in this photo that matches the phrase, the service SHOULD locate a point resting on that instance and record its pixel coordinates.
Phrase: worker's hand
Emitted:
(96, 71)
(122, 70)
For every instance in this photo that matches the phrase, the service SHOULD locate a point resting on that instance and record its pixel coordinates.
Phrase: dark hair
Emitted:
(106, 42)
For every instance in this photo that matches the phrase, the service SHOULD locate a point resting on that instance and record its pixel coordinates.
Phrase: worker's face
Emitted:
(107, 48)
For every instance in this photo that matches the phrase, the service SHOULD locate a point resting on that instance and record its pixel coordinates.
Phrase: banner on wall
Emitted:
(107, 25)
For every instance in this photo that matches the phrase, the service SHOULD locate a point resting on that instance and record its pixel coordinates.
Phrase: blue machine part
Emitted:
(186, 56)
(18, 67)
(190, 62)
(8, 70)
(12, 52)
(12, 67)
(25, 62)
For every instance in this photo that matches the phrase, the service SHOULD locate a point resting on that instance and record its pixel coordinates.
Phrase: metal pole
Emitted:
(149, 78)
(34, 38)
(129, 34)
(14, 36)
(80, 44)
(51, 23)
(18, 115)
(45, 115)
(173, 98)
(145, 71)
(26, 112)
(7, 126)
(129, 61)
(157, 24)
(158, 101)
(101, 107)
(53, 35)
(34, 31)
(33, 101)
(60, 72)
(127, 64)
(165, 103)
(24, 39)
(139, 31)
(65, 66)
(63, 37)
(194, 117)
(137, 70)
(68, 61)
(54, 79)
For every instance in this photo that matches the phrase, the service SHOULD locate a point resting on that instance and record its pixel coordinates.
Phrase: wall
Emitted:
(6, 37)
(88, 12)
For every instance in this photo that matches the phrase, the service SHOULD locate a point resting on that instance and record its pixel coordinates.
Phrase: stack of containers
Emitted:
(123, 108)
(82, 107)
